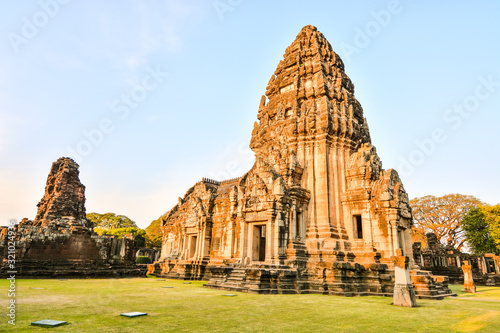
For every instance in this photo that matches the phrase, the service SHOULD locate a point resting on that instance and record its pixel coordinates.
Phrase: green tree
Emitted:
(139, 234)
(154, 234)
(118, 225)
(478, 230)
(111, 221)
(492, 216)
(442, 216)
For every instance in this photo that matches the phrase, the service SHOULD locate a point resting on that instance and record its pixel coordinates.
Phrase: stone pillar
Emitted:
(408, 247)
(327, 225)
(228, 250)
(469, 286)
(269, 235)
(404, 294)
(276, 232)
(395, 238)
(293, 222)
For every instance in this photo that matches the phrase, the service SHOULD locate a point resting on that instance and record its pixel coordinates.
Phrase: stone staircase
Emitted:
(231, 278)
(236, 280)
(428, 286)
(258, 279)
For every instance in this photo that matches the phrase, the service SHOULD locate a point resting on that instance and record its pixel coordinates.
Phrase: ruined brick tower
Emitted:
(315, 213)
(60, 241)
(64, 194)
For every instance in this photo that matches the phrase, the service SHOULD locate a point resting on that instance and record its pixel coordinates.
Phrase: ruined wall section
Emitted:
(64, 194)
(447, 261)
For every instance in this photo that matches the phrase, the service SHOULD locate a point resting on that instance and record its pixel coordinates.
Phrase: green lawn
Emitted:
(95, 305)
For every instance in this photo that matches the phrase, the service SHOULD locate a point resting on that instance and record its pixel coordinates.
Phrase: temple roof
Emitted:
(309, 88)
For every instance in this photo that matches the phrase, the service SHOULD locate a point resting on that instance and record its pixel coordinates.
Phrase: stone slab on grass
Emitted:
(133, 314)
(167, 287)
(49, 323)
(230, 295)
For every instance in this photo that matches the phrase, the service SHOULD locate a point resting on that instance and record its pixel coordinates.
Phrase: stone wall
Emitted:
(447, 261)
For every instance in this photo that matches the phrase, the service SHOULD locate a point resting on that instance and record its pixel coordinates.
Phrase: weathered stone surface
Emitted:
(404, 294)
(64, 194)
(316, 213)
(61, 241)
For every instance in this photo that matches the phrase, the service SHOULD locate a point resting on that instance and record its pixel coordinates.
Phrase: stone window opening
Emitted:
(490, 266)
(357, 226)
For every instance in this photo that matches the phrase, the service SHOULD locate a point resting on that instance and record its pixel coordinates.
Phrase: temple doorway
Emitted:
(259, 243)
(192, 246)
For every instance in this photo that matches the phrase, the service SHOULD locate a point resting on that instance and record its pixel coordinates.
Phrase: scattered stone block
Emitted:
(229, 295)
(167, 287)
(49, 323)
(36, 288)
(187, 282)
(133, 314)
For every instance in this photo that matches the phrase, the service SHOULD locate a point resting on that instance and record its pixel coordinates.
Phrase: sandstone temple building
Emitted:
(315, 213)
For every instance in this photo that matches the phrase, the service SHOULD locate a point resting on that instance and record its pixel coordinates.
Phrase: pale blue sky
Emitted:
(419, 67)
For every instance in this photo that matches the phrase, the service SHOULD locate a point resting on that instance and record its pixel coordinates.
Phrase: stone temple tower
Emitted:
(315, 213)
(310, 116)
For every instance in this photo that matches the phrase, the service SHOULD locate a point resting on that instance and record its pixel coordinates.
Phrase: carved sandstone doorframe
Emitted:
(257, 240)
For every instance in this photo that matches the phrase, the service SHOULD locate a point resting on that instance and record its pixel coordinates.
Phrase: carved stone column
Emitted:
(404, 294)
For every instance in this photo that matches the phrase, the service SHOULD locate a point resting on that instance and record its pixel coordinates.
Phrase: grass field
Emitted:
(95, 305)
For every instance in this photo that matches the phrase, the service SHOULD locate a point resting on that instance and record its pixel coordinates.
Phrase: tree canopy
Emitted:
(118, 225)
(480, 225)
(492, 215)
(154, 234)
(442, 216)
(111, 221)
(139, 234)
